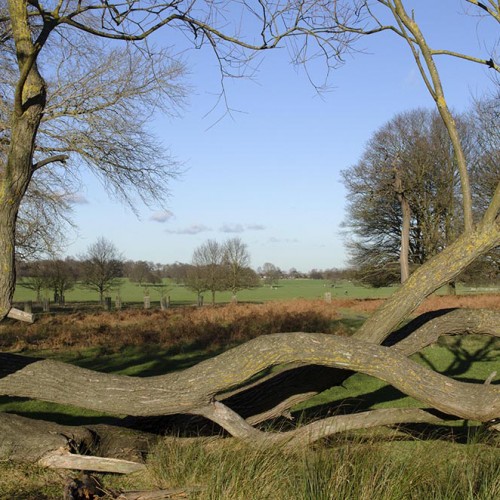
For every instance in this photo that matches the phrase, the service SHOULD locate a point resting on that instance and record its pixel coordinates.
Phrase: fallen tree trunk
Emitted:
(68, 447)
(193, 389)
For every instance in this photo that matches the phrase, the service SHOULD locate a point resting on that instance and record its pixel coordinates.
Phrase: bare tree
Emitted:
(101, 267)
(270, 273)
(237, 262)
(195, 278)
(34, 277)
(209, 259)
(61, 277)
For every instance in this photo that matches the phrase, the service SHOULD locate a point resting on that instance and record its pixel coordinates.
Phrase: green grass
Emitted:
(350, 468)
(285, 290)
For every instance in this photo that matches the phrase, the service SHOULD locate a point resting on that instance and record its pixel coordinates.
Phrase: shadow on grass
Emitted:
(52, 412)
(140, 363)
(464, 356)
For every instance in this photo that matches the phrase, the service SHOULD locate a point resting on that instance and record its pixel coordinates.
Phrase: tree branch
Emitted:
(195, 388)
(308, 434)
(487, 62)
(52, 159)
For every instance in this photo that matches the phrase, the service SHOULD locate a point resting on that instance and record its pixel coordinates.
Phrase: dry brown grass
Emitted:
(434, 302)
(208, 328)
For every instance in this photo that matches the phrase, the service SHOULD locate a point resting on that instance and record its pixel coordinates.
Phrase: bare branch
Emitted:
(52, 159)
(493, 9)
(487, 62)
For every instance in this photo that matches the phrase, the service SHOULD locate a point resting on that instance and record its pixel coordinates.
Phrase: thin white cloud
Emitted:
(161, 217)
(232, 228)
(240, 228)
(255, 227)
(75, 198)
(193, 229)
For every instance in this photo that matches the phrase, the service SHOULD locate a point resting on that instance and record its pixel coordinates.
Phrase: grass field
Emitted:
(285, 290)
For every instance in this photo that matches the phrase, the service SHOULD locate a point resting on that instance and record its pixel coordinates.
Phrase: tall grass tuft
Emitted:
(346, 469)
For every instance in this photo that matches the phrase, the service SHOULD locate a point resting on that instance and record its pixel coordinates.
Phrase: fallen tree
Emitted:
(237, 389)
(200, 390)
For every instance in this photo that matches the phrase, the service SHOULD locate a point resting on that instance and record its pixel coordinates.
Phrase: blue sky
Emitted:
(270, 172)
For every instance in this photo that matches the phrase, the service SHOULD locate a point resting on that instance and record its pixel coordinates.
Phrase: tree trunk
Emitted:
(29, 103)
(405, 226)
(405, 240)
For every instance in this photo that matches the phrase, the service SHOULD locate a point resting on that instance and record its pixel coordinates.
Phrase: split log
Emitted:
(24, 439)
(63, 459)
(21, 315)
(196, 387)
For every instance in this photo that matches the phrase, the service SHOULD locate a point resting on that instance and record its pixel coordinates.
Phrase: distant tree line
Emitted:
(214, 267)
(98, 269)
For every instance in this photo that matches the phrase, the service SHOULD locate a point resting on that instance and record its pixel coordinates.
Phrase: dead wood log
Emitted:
(24, 439)
(157, 494)
(196, 387)
(21, 315)
(59, 446)
(63, 459)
